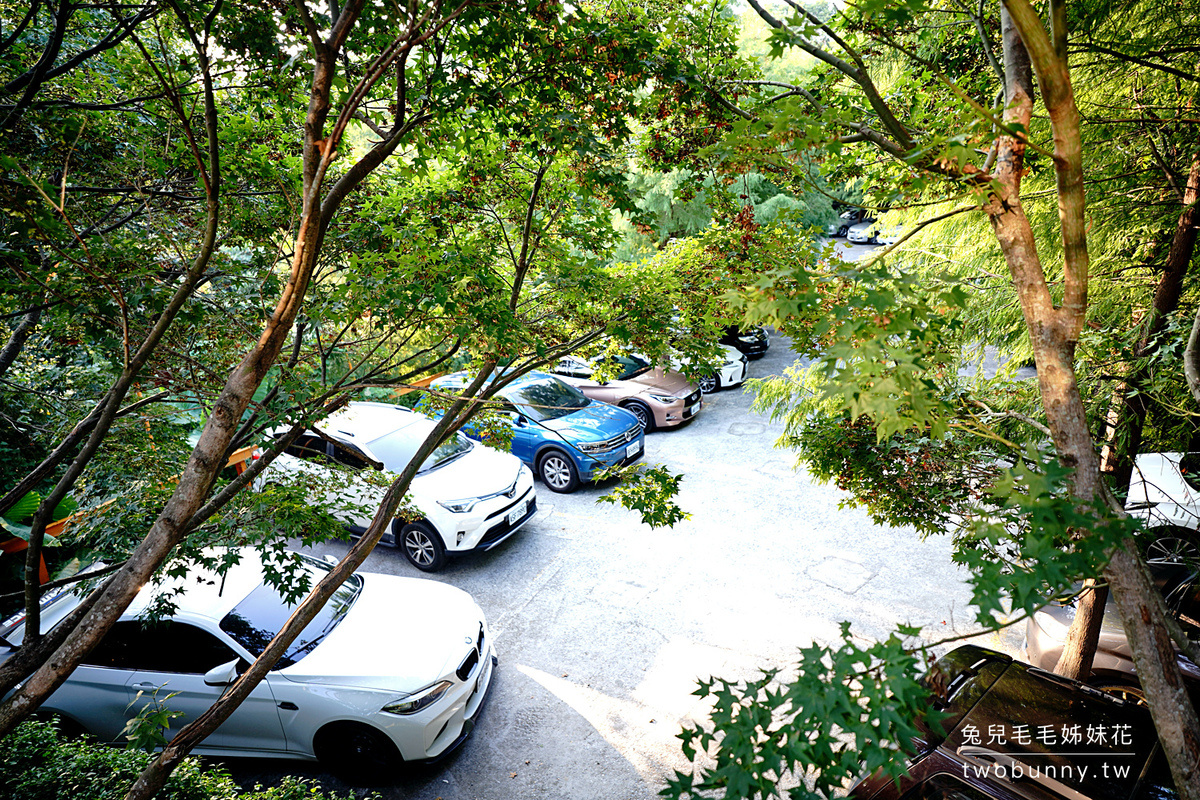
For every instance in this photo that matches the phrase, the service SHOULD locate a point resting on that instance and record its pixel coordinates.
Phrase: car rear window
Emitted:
(546, 398)
(255, 621)
(629, 366)
(397, 448)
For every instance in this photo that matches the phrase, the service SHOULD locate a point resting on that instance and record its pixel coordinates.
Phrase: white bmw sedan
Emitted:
(470, 496)
(357, 690)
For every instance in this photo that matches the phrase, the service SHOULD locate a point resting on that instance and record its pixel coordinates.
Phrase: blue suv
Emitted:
(563, 436)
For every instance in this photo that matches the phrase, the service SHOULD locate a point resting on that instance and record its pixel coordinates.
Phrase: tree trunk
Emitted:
(1080, 649)
(207, 458)
(1141, 608)
(19, 336)
(1053, 333)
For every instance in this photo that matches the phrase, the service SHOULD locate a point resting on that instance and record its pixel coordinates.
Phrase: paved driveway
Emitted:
(603, 624)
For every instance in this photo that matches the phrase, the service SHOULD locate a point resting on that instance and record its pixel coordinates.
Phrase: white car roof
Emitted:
(365, 422)
(205, 595)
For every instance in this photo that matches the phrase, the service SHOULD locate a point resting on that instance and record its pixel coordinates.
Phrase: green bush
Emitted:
(37, 763)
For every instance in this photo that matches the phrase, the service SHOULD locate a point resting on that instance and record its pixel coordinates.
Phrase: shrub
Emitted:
(37, 763)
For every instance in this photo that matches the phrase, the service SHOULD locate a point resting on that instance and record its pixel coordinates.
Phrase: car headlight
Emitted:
(459, 506)
(591, 447)
(419, 700)
(665, 399)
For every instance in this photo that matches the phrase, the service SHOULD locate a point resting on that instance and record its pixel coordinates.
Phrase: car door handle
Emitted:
(146, 685)
(289, 706)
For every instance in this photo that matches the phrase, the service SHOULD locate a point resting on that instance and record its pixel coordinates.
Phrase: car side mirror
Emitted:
(223, 675)
(520, 419)
(330, 559)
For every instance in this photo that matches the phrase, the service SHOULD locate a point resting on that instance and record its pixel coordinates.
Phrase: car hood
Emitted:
(482, 471)
(667, 381)
(401, 635)
(595, 421)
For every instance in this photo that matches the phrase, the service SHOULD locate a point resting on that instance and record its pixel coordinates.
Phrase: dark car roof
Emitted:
(1034, 716)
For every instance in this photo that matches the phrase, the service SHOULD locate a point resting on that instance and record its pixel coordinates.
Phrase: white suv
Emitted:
(470, 496)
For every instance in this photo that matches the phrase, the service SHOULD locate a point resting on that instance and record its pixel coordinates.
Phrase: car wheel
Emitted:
(1172, 545)
(1130, 693)
(709, 383)
(422, 547)
(642, 412)
(357, 752)
(842, 231)
(558, 472)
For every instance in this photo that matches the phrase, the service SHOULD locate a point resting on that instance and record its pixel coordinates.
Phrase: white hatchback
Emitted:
(361, 689)
(470, 496)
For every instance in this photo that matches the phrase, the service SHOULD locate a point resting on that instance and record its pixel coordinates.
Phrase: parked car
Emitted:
(391, 670)
(752, 342)
(659, 398)
(1113, 670)
(471, 497)
(1165, 494)
(562, 434)
(733, 369)
(888, 234)
(1016, 732)
(863, 232)
(847, 218)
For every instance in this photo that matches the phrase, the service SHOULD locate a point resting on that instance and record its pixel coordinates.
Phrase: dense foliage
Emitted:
(39, 763)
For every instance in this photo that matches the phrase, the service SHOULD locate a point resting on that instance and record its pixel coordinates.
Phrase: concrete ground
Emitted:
(603, 625)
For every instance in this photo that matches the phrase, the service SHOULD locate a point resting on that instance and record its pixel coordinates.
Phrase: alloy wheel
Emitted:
(1172, 550)
(642, 414)
(419, 547)
(556, 472)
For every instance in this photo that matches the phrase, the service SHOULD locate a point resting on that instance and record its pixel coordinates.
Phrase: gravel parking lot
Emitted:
(603, 625)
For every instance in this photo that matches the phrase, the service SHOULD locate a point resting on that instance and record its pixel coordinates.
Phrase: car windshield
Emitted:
(546, 398)
(255, 621)
(397, 448)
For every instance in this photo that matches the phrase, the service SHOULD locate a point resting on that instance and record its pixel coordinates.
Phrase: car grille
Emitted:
(620, 440)
(472, 660)
(504, 511)
(468, 665)
(692, 398)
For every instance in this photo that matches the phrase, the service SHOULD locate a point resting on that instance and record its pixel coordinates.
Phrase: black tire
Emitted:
(709, 383)
(422, 546)
(1171, 545)
(558, 472)
(642, 412)
(358, 753)
(842, 231)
